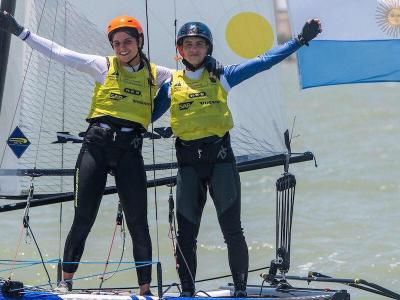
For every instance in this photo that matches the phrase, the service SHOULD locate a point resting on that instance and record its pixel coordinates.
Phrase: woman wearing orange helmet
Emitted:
(121, 110)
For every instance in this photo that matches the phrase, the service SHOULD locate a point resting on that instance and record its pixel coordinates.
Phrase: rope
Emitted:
(25, 223)
(142, 264)
(172, 218)
(355, 283)
(26, 214)
(118, 222)
(172, 234)
(226, 276)
(16, 252)
(109, 272)
(22, 86)
(41, 256)
(108, 256)
(152, 133)
(137, 265)
(59, 265)
(123, 233)
(45, 91)
(285, 195)
(30, 196)
(25, 265)
(51, 261)
(177, 285)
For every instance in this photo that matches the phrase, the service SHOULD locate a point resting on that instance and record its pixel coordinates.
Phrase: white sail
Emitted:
(43, 98)
(10, 110)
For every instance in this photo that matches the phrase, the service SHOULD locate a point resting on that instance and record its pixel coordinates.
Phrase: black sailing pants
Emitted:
(105, 150)
(223, 181)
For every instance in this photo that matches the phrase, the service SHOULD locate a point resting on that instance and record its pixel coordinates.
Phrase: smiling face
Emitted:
(126, 48)
(194, 50)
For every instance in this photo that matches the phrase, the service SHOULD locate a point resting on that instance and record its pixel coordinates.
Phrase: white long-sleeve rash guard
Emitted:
(93, 65)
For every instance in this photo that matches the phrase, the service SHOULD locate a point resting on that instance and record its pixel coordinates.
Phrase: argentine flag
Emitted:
(360, 42)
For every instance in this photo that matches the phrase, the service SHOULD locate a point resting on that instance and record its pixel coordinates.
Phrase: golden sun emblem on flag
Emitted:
(388, 17)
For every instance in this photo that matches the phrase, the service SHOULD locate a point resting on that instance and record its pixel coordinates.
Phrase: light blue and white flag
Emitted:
(360, 42)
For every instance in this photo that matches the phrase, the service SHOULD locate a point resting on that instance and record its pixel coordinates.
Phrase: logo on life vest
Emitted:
(132, 91)
(210, 102)
(114, 96)
(178, 84)
(185, 105)
(197, 95)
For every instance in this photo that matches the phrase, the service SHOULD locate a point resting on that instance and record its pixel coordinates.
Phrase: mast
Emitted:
(5, 40)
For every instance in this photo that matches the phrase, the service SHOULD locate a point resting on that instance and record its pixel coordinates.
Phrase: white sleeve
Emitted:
(225, 83)
(94, 65)
(163, 74)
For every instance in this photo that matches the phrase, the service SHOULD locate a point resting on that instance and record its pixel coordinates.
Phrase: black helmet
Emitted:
(196, 29)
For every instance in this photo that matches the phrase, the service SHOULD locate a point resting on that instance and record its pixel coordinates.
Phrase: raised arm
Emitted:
(235, 74)
(94, 65)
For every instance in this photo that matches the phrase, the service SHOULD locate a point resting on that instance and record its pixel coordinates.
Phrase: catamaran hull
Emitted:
(265, 293)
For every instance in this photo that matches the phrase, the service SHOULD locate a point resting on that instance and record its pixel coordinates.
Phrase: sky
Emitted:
(101, 15)
(281, 4)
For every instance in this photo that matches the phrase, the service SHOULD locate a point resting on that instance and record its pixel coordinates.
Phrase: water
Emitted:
(346, 216)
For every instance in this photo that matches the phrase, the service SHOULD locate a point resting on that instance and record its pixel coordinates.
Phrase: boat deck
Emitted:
(266, 293)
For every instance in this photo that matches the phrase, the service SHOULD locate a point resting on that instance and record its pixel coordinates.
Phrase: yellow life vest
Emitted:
(199, 108)
(124, 95)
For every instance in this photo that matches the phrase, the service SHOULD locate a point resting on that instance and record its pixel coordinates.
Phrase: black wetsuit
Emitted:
(209, 163)
(110, 150)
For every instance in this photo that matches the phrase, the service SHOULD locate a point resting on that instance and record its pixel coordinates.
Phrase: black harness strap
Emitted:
(209, 150)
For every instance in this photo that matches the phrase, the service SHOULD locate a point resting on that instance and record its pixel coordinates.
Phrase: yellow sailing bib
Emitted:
(198, 107)
(124, 95)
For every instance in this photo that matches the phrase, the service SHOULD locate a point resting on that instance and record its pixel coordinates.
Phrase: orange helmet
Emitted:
(124, 22)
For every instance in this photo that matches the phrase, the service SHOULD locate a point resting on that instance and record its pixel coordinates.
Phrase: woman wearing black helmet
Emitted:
(201, 120)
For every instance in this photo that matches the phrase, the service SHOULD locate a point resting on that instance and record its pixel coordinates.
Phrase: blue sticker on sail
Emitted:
(18, 142)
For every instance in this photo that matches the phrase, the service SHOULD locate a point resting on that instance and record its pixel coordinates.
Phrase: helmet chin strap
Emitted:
(129, 62)
(191, 67)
